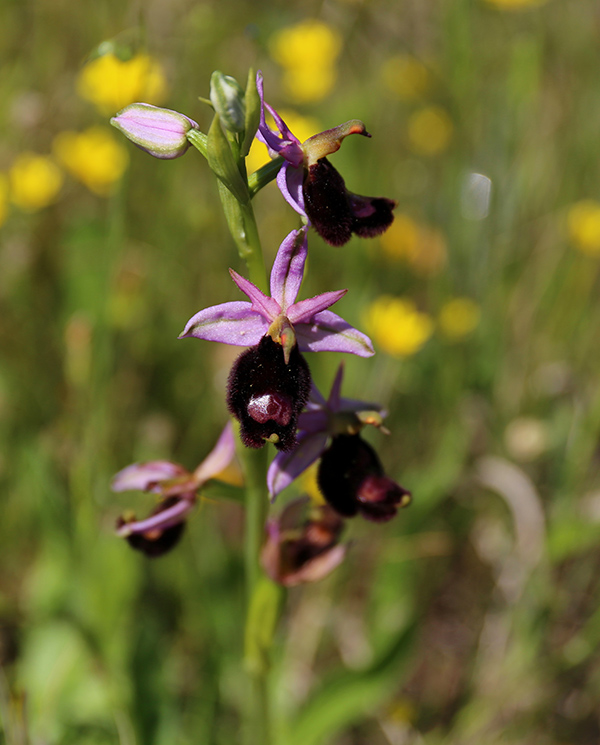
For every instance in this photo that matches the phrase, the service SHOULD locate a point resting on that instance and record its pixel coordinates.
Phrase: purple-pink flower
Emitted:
(302, 543)
(308, 322)
(176, 488)
(350, 475)
(270, 382)
(314, 188)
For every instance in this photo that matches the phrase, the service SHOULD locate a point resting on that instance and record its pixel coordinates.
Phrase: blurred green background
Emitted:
(473, 616)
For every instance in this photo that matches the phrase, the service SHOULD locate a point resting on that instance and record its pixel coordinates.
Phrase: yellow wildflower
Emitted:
(3, 198)
(406, 77)
(302, 126)
(515, 4)
(429, 130)
(459, 317)
(110, 83)
(34, 181)
(583, 223)
(310, 485)
(422, 247)
(307, 51)
(93, 157)
(396, 326)
(306, 43)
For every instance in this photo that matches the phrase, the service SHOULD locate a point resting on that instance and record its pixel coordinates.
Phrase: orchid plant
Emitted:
(270, 391)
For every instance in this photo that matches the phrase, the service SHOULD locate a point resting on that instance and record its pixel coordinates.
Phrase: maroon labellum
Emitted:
(266, 395)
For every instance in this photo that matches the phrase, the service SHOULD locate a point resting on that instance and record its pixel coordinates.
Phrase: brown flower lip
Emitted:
(302, 544)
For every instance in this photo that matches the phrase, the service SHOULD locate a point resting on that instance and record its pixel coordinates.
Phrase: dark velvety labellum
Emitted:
(266, 396)
(155, 543)
(352, 480)
(336, 213)
(367, 223)
(326, 203)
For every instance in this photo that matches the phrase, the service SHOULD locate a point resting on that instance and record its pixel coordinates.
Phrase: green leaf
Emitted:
(252, 100)
(348, 697)
(223, 164)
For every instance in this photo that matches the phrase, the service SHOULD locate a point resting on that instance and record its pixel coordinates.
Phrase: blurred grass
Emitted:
(499, 572)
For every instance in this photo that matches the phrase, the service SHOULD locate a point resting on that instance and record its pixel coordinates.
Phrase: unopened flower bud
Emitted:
(227, 96)
(160, 132)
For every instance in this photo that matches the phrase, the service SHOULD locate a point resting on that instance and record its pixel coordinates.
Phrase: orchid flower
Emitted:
(350, 474)
(314, 188)
(270, 382)
(176, 487)
(302, 543)
(308, 322)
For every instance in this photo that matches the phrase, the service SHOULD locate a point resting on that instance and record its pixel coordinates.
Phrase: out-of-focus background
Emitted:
(482, 301)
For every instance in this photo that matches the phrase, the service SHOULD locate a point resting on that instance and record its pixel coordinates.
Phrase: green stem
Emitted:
(199, 140)
(264, 175)
(257, 503)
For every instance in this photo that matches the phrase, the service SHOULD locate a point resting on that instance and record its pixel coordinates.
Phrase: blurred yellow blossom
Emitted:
(302, 126)
(583, 223)
(310, 485)
(459, 317)
(422, 247)
(34, 181)
(93, 157)
(515, 4)
(406, 77)
(3, 197)
(309, 84)
(429, 130)
(396, 326)
(308, 52)
(111, 83)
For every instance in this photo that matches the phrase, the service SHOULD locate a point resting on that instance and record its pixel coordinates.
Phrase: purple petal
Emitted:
(285, 143)
(316, 399)
(330, 333)
(219, 457)
(318, 567)
(305, 310)
(143, 476)
(288, 268)
(261, 303)
(161, 520)
(333, 402)
(313, 421)
(229, 323)
(290, 181)
(288, 466)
